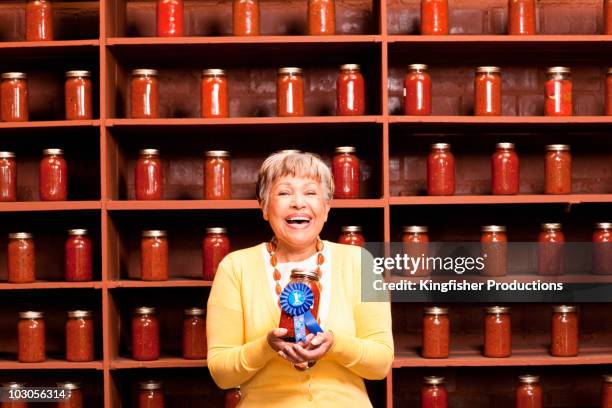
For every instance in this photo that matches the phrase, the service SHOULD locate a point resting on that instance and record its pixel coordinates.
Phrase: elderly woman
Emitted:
(246, 347)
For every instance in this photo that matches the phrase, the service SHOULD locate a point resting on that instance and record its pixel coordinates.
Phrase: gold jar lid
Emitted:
(414, 229)
(529, 379)
(435, 310)
(78, 74)
(76, 314)
(488, 70)
(77, 232)
(20, 235)
(433, 380)
(551, 226)
(13, 75)
(14, 385)
(194, 311)
(493, 228)
(148, 152)
(217, 153)
(607, 378)
(441, 146)
(144, 310)
(54, 152)
(557, 147)
(150, 385)
(346, 149)
(145, 72)
(290, 71)
(289, 151)
(69, 385)
(213, 72)
(497, 309)
(350, 67)
(418, 67)
(30, 314)
(216, 230)
(559, 70)
(564, 309)
(351, 228)
(301, 273)
(7, 155)
(154, 234)
(505, 145)
(603, 225)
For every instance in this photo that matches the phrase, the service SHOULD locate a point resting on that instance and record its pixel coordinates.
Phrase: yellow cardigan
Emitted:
(241, 312)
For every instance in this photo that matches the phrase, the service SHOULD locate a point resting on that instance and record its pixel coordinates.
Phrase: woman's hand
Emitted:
(284, 348)
(315, 347)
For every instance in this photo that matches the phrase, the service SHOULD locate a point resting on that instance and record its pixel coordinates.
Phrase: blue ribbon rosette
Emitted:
(296, 300)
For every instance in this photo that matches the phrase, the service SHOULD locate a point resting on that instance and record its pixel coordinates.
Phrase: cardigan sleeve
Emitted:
(231, 362)
(370, 352)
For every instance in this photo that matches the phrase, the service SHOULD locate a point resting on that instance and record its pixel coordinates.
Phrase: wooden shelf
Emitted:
(51, 364)
(51, 285)
(502, 199)
(263, 39)
(501, 120)
(133, 205)
(49, 124)
(244, 121)
(502, 39)
(48, 49)
(163, 362)
(177, 283)
(49, 206)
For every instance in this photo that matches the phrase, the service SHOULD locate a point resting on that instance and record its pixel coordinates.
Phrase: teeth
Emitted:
(298, 219)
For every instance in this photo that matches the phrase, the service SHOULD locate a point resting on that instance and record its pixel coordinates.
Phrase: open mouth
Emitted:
(299, 221)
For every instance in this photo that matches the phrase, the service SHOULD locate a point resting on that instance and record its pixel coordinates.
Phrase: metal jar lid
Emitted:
(55, 152)
(213, 72)
(607, 378)
(603, 225)
(349, 67)
(346, 149)
(301, 273)
(150, 385)
(20, 235)
(351, 228)
(505, 145)
(148, 152)
(216, 230)
(144, 310)
(194, 311)
(564, 309)
(414, 229)
(557, 147)
(418, 67)
(609, 71)
(488, 70)
(551, 226)
(435, 310)
(13, 385)
(76, 314)
(529, 379)
(559, 70)
(78, 74)
(290, 151)
(144, 72)
(30, 314)
(69, 385)
(497, 309)
(216, 153)
(7, 155)
(433, 380)
(77, 232)
(493, 228)
(443, 146)
(290, 70)
(14, 75)
(153, 234)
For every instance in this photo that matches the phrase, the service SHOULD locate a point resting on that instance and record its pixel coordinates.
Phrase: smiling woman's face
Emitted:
(296, 211)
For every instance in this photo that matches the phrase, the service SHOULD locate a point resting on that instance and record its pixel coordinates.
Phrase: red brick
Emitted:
(466, 21)
(509, 105)
(589, 79)
(577, 17)
(531, 105)
(588, 104)
(498, 21)
(520, 79)
(445, 105)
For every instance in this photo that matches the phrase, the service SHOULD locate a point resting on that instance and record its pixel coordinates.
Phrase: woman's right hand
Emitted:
(283, 348)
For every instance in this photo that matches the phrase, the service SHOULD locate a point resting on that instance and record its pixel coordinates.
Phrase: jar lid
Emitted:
(411, 229)
(150, 385)
(31, 315)
(290, 70)
(558, 147)
(609, 70)
(346, 149)
(349, 67)
(564, 309)
(433, 380)
(216, 153)
(153, 233)
(440, 146)
(77, 232)
(145, 72)
(14, 75)
(144, 310)
(13, 385)
(435, 310)
(493, 228)
(216, 230)
(69, 385)
(55, 152)
(351, 228)
(289, 151)
(213, 72)
(418, 67)
(194, 311)
(80, 313)
(603, 225)
(148, 152)
(301, 273)
(529, 379)
(558, 70)
(20, 235)
(7, 155)
(497, 309)
(78, 74)
(488, 70)
(607, 378)
(551, 226)
(505, 145)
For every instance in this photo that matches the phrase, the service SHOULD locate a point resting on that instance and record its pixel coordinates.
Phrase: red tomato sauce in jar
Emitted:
(8, 176)
(53, 176)
(497, 332)
(351, 235)
(170, 18)
(290, 92)
(602, 248)
(149, 176)
(232, 398)
(346, 173)
(350, 91)
(217, 175)
(606, 392)
(74, 394)
(21, 258)
(440, 170)
(493, 244)
(522, 17)
(416, 245)
(194, 334)
(558, 92)
(564, 332)
(39, 20)
(154, 256)
(321, 17)
(31, 337)
(436, 332)
(417, 90)
(15, 386)
(433, 393)
(558, 169)
(551, 256)
(434, 17)
(529, 392)
(245, 17)
(310, 279)
(151, 395)
(144, 94)
(14, 97)
(80, 336)
(215, 247)
(505, 170)
(78, 95)
(214, 93)
(145, 334)
(79, 263)
(487, 91)
(607, 17)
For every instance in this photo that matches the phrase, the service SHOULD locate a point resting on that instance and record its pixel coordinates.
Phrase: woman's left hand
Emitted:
(315, 347)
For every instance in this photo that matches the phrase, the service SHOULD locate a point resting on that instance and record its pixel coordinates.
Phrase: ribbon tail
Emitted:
(311, 323)
(299, 328)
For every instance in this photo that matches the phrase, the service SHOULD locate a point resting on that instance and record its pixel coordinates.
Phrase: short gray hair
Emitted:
(282, 164)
